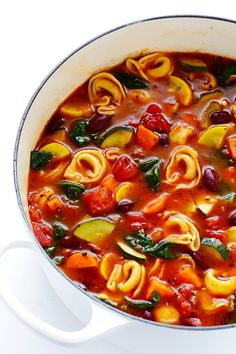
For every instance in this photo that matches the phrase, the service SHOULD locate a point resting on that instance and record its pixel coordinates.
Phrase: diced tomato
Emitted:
(213, 227)
(136, 221)
(193, 321)
(214, 223)
(99, 201)
(186, 290)
(35, 214)
(153, 108)
(185, 308)
(43, 234)
(125, 168)
(153, 119)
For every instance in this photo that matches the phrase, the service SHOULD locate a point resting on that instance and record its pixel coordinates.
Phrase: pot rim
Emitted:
(16, 185)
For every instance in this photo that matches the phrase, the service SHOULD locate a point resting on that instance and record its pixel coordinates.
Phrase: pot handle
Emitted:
(101, 321)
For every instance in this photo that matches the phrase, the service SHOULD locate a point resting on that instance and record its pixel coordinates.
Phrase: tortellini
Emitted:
(181, 230)
(151, 67)
(87, 166)
(127, 277)
(209, 304)
(222, 286)
(183, 170)
(105, 92)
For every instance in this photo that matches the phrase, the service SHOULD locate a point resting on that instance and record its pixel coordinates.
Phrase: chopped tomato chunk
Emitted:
(43, 234)
(125, 168)
(136, 221)
(99, 201)
(154, 119)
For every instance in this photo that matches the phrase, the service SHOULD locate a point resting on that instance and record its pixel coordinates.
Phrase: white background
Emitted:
(34, 37)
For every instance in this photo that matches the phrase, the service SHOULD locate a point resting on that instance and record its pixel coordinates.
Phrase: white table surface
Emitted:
(35, 36)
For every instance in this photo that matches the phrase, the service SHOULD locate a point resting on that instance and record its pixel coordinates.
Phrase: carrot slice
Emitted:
(111, 183)
(54, 204)
(164, 289)
(146, 138)
(157, 204)
(188, 275)
(82, 260)
(231, 141)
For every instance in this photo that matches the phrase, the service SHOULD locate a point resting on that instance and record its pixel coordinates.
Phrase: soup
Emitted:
(132, 188)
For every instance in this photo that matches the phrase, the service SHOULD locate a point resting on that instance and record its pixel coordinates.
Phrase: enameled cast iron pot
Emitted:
(177, 33)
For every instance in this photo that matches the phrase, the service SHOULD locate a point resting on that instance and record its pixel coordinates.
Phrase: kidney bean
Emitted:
(153, 108)
(232, 218)
(164, 139)
(125, 205)
(54, 124)
(220, 117)
(98, 123)
(148, 315)
(211, 179)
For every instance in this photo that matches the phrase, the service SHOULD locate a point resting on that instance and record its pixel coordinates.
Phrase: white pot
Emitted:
(178, 33)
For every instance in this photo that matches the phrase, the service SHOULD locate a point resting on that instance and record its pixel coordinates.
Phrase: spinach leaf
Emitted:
(59, 232)
(153, 177)
(72, 190)
(58, 260)
(146, 165)
(78, 133)
(165, 249)
(139, 240)
(51, 250)
(144, 304)
(227, 72)
(131, 81)
(38, 159)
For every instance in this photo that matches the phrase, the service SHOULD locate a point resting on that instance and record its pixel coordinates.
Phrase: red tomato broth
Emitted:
(129, 114)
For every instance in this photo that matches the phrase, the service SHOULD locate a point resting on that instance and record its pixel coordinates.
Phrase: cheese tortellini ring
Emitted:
(114, 277)
(127, 277)
(151, 67)
(87, 166)
(181, 230)
(223, 286)
(105, 92)
(183, 170)
(209, 304)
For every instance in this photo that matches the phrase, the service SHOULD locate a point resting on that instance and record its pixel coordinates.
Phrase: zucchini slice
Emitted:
(94, 230)
(118, 136)
(204, 205)
(130, 253)
(58, 150)
(214, 136)
(215, 248)
(193, 64)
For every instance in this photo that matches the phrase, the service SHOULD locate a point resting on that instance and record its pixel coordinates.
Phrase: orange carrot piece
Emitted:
(82, 260)
(157, 204)
(188, 275)
(111, 183)
(54, 204)
(189, 118)
(164, 289)
(146, 138)
(231, 141)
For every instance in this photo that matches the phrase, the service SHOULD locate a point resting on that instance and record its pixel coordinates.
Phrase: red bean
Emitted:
(220, 117)
(164, 139)
(55, 124)
(125, 205)
(211, 179)
(98, 123)
(232, 218)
